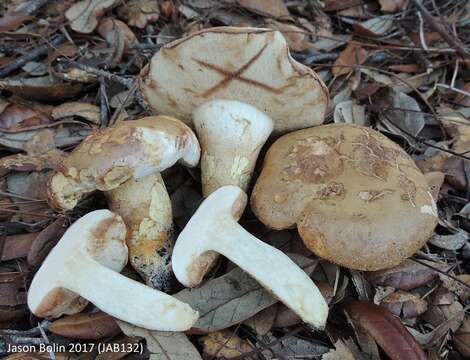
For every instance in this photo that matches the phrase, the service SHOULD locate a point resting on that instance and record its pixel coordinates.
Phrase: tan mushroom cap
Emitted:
(246, 64)
(357, 198)
(111, 156)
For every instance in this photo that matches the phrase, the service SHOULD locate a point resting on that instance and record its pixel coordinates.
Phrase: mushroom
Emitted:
(124, 161)
(231, 134)
(86, 262)
(214, 75)
(214, 230)
(356, 197)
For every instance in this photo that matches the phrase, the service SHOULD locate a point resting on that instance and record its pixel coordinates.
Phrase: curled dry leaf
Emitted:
(17, 116)
(404, 304)
(86, 111)
(386, 329)
(393, 6)
(377, 26)
(224, 344)
(163, 344)
(118, 36)
(263, 321)
(344, 350)
(17, 246)
(84, 15)
(274, 8)
(139, 13)
(354, 54)
(86, 326)
(46, 88)
(232, 298)
(406, 276)
(462, 339)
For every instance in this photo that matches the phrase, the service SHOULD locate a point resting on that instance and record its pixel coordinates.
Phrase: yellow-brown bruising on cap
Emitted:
(348, 188)
(109, 157)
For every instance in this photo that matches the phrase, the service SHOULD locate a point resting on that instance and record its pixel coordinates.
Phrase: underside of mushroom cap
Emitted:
(357, 198)
(111, 156)
(246, 64)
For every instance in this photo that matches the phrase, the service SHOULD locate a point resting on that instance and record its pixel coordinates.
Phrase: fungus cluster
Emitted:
(347, 188)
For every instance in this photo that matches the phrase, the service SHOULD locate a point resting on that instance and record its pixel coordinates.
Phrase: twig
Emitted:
(39, 51)
(104, 107)
(31, 6)
(451, 40)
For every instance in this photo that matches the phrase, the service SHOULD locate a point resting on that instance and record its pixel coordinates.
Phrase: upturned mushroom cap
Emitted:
(145, 206)
(246, 64)
(231, 134)
(357, 198)
(86, 262)
(111, 156)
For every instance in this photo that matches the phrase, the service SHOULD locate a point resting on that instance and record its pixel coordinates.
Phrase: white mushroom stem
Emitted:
(231, 134)
(86, 262)
(214, 230)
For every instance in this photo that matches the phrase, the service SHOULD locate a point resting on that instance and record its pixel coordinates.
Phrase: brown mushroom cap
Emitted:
(246, 64)
(357, 198)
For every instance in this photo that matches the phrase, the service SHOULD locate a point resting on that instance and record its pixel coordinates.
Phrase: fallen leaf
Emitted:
(45, 241)
(17, 116)
(224, 344)
(354, 54)
(377, 26)
(92, 326)
(452, 314)
(457, 172)
(232, 298)
(405, 114)
(286, 317)
(294, 348)
(344, 350)
(350, 113)
(450, 242)
(84, 15)
(16, 246)
(139, 13)
(118, 36)
(13, 287)
(297, 38)
(386, 329)
(335, 5)
(406, 276)
(46, 88)
(12, 21)
(83, 110)
(263, 321)
(462, 339)
(404, 304)
(393, 6)
(274, 8)
(462, 291)
(163, 344)
(442, 296)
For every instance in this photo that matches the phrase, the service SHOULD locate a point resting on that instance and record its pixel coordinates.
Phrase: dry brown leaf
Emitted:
(17, 246)
(404, 304)
(442, 296)
(118, 36)
(450, 242)
(335, 5)
(286, 317)
(453, 314)
(386, 329)
(344, 350)
(139, 13)
(377, 26)
(83, 110)
(232, 298)
(13, 287)
(457, 171)
(86, 326)
(393, 6)
(12, 21)
(46, 88)
(274, 8)
(406, 276)
(15, 117)
(297, 38)
(354, 54)
(462, 339)
(163, 344)
(84, 15)
(224, 344)
(67, 50)
(45, 241)
(263, 321)
(405, 68)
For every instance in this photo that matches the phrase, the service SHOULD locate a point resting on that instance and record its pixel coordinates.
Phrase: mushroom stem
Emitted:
(145, 207)
(214, 229)
(231, 134)
(152, 309)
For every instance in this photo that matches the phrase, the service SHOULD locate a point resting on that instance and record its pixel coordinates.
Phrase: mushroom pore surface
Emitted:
(356, 197)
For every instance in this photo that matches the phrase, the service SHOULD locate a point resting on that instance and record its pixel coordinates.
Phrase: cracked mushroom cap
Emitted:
(357, 198)
(245, 64)
(111, 156)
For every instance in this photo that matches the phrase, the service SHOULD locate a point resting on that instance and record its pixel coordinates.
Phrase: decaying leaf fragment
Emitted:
(224, 344)
(404, 304)
(386, 329)
(139, 13)
(354, 54)
(83, 15)
(85, 326)
(83, 110)
(274, 8)
(163, 344)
